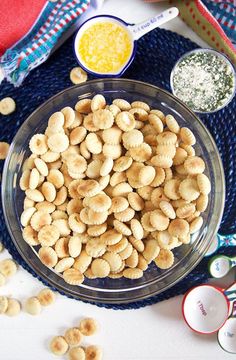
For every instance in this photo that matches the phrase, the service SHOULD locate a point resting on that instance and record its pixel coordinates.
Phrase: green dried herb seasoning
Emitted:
(203, 81)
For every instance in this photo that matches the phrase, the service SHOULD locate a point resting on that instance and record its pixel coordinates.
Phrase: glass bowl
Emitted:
(219, 55)
(154, 281)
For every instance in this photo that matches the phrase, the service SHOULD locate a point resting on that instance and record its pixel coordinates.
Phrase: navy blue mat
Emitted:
(156, 55)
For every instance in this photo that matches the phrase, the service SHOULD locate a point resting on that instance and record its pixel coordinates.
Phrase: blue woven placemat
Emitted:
(157, 53)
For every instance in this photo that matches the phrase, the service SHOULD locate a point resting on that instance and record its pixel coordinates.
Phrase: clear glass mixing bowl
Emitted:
(154, 280)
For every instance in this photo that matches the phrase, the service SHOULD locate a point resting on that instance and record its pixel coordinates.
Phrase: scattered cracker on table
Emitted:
(93, 352)
(77, 74)
(88, 326)
(58, 345)
(76, 353)
(8, 267)
(7, 106)
(32, 306)
(110, 188)
(73, 336)
(46, 297)
(13, 308)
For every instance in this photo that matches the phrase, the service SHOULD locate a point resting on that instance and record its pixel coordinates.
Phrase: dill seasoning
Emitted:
(204, 80)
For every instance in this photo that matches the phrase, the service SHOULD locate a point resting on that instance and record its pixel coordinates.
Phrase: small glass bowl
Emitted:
(154, 281)
(220, 55)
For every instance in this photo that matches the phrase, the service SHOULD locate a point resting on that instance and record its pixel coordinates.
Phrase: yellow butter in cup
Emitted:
(105, 47)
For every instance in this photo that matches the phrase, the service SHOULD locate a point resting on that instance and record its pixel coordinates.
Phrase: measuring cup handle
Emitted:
(143, 28)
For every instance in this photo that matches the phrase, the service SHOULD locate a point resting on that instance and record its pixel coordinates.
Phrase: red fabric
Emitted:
(17, 17)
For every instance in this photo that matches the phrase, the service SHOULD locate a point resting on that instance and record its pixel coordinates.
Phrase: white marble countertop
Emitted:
(155, 332)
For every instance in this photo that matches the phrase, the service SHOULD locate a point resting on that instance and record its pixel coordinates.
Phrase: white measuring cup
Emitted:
(220, 265)
(134, 31)
(221, 241)
(206, 308)
(227, 334)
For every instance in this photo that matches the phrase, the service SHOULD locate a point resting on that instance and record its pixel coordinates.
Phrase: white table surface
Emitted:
(155, 332)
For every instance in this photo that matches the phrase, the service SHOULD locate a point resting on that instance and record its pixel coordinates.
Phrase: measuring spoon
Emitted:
(221, 241)
(206, 307)
(134, 33)
(220, 265)
(227, 334)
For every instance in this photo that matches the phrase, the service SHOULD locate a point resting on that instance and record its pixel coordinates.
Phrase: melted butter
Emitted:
(105, 47)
